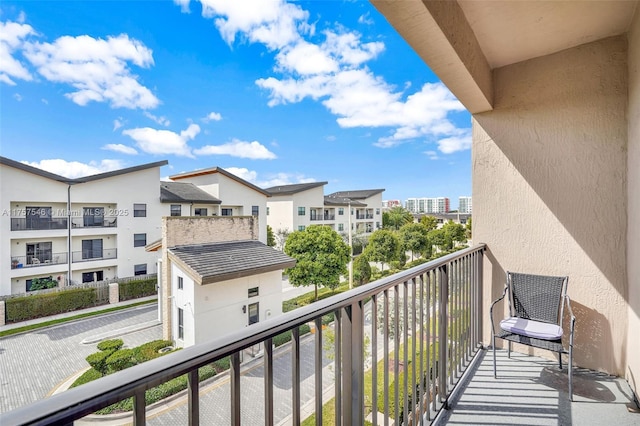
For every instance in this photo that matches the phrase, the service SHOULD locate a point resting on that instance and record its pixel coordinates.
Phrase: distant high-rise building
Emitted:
(427, 205)
(389, 204)
(464, 205)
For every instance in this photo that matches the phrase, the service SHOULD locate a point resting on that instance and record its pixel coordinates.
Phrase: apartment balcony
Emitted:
(364, 216)
(32, 261)
(93, 255)
(94, 222)
(322, 217)
(38, 224)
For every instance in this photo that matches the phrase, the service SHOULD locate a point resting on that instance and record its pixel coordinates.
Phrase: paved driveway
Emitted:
(34, 363)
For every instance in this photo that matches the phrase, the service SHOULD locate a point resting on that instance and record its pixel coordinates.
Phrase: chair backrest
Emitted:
(537, 297)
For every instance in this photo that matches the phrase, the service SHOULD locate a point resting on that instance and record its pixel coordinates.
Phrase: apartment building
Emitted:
(428, 205)
(236, 196)
(294, 207)
(79, 230)
(186, 199)
(465, 205)
(389, 204)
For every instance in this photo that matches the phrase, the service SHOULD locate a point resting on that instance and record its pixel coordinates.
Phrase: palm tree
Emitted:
(396, 217)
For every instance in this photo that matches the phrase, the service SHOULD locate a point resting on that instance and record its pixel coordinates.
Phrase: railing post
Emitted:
(352, 364)
(235, 388)
(139, 408)
(268, 382)
(443, 289)
(194, 397)
(338, 367)
(318, 370)
(295, 375)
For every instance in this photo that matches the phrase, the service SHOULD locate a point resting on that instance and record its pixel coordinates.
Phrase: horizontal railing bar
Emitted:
(92, 396)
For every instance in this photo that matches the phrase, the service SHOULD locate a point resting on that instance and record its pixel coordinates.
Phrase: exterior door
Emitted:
(254, 315)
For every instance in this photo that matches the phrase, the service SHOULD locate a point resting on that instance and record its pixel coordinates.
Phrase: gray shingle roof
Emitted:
(183, 192)
(223, 172)
(293, 189)
(215, 262)
(360, 194)
(341, 201)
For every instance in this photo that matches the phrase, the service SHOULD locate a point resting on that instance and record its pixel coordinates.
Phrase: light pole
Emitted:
(350, 251)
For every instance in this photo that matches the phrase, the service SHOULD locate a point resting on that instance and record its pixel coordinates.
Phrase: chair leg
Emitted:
(509, 350)
(495, 376)
(570, 373)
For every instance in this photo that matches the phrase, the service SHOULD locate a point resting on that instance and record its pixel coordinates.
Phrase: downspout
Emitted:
(69, 234)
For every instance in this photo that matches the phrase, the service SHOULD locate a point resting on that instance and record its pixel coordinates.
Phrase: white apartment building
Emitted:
(294, 207)
(82, 230)
(427, 205)
(186, 199)
(237, 196)
(465, 205)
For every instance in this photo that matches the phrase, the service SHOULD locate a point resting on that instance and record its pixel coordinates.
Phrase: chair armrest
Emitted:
(567, 301)
(504, 293)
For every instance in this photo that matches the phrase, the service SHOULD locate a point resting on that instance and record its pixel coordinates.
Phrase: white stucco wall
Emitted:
(633, 236)
(550, 187)
(280, 213)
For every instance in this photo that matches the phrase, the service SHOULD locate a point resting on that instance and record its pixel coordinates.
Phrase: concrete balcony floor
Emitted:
(534, 391)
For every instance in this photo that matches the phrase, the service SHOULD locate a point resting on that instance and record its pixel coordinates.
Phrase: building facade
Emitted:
(428, 205)
(60, 230)
(465, 205)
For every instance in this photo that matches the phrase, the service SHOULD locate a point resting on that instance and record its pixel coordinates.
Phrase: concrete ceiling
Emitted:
(513, 31)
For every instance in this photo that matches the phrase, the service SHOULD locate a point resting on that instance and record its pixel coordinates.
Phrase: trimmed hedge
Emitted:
(138, 288)
(119, 360)
(285, 337)
(42, 305)
(150, 350)
(111, 345)
(98, 361)
(86, 377)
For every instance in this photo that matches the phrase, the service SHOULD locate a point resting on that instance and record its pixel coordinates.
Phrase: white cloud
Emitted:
(269, 181)
(212, 116)
(117, 123)
(155, 141)
(273, 23)
(306, 58)
(118, 147)
(433, 155)
(12, 38)
(365, 19)
(75, 169)
(163, 121)
(97, 68)
(184, 5)
(236, 148)
(454, 144)
(17, 97)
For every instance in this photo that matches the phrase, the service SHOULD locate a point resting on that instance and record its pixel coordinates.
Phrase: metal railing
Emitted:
(30, 224)
(89, 255)
(408, 337)
(323, 217)
(94, 222)
(29, 261)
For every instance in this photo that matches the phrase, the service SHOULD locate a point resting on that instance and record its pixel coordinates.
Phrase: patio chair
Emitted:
(536, 308)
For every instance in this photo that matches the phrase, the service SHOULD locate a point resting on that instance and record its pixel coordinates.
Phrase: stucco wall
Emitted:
(550, 187)
(633, 236)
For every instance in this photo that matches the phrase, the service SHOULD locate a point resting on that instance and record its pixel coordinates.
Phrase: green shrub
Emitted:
(86, 377)
(223, 364)
(119, 360)
(110, 345)
(42, 305)
(150, 350)
(43, 283)
(138, 288)
(285, 337)
(98, 361)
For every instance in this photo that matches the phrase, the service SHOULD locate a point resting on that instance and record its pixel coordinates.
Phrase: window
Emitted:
(377, 211)
(341, 227)
(227, 212)
(254, 315)
(255, 210)
(340, 211)
(40, 218)
(301, 211)
(267, 211)
(301, 228)
(139, 210)
(93, 216)
(180, 324)
(254, 291)
(180, 283)
(200, 212)
(39, 253)
(140, 269)
(377, 225)
(352, 212)
(89, 277)
(139, 240)
(176, 210)
(91, 249)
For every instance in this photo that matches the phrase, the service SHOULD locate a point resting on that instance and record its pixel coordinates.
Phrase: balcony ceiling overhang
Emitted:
(463, 41)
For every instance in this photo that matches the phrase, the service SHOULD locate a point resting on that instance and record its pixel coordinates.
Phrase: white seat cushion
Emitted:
(530, 328)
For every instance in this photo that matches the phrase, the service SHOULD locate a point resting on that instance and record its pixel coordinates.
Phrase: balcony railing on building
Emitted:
(399, 345)
(42, 259)
(323, 217)
(38, 223)
(91, 255)
(94, 222)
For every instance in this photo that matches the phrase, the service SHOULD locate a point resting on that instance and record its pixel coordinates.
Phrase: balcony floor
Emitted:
(533, 391)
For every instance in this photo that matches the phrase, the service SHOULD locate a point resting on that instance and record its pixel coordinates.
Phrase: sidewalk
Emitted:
(74, 313)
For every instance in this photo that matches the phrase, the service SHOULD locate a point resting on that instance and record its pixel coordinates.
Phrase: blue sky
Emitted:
(274, 92)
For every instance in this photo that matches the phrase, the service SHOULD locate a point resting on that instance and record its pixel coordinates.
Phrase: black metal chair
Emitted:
(536, 308)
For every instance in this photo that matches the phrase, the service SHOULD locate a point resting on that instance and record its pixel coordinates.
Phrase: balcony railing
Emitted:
(416, 330)
(94, 222)
(323, 217)
(30, 224)
(38, 260)
(90, 255)
(364, 216)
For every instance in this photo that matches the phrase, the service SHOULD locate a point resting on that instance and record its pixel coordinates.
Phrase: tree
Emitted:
(468, 228)
(429, 222)
(413, 238)
(361, 270)
(321, 257)
(281, 237)
(271, 239)
(455, 232)
(396, 217)
(384, 246)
